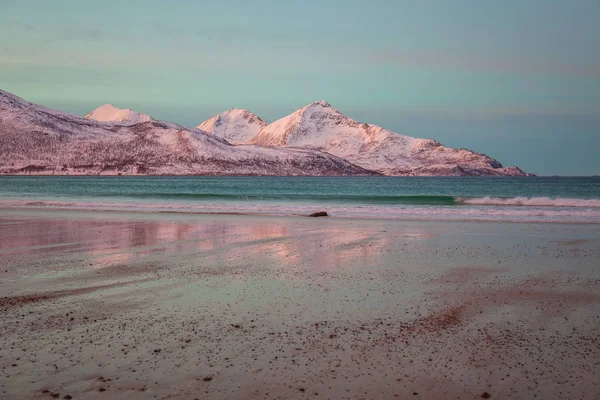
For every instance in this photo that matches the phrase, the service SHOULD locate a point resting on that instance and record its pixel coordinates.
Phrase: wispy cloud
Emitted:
(495, 112)
(57, 34)
(457, 60)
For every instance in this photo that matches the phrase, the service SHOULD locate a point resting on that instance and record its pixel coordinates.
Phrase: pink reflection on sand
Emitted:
(322, 246)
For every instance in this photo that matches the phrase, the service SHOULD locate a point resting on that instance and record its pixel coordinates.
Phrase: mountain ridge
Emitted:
(316, 139)
(38, 140)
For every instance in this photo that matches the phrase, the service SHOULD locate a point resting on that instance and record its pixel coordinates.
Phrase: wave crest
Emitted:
(531, 201)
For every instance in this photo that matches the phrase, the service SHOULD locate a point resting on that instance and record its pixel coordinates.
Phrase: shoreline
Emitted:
(307, 215)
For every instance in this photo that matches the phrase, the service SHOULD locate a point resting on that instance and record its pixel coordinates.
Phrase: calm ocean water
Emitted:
(515, 199)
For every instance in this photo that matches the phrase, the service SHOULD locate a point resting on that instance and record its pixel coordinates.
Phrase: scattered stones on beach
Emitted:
(342, 309)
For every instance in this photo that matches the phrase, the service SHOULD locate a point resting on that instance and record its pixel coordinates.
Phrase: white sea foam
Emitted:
(532, 201)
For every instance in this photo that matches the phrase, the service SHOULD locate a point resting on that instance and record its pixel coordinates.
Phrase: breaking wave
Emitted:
(532, 202)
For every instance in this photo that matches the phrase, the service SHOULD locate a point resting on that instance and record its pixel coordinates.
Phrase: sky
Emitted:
(518, 80)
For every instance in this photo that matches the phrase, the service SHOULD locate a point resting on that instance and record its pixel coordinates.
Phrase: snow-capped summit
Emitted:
(235, 125)
(110, 113)
(321, 127)
(321, 103)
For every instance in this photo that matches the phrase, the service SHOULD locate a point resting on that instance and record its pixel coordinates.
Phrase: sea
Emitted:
(503, 199)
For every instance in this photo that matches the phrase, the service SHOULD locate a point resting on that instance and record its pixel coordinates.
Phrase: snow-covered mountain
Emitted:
(235, 125)
(36, 139)
(110, 113)
(320, 127)
(314, 140)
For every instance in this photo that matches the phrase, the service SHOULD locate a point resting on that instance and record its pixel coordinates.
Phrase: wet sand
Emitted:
(143, 306)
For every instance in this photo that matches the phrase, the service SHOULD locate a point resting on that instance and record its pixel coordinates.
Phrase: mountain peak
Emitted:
(110, 113)
(108, 107)
(235, 125)
(321, 103)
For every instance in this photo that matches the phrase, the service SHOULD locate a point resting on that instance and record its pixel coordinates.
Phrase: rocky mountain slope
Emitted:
(320, 127)
(110, 113)
(235, 125)
(36, 139)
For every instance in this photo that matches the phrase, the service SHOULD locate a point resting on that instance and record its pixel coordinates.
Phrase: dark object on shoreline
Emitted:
(319, 214)
(486, 395)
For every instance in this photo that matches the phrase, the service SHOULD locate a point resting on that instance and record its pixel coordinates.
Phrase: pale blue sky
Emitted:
(516, 79)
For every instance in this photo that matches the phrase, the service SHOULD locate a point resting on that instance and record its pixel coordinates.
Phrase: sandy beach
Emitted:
(102, 305)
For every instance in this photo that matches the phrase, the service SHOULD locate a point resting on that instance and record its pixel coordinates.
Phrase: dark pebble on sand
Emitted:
(102, 390)
(207, 379)
(68, 397)
(485, 395)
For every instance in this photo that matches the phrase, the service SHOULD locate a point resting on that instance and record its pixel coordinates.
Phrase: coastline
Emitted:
(305, 215)
(234, 306)
(208, 174)
(567, 200)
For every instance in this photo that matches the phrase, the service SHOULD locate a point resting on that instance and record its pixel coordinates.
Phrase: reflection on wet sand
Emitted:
(239, 307)
(107, 243)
